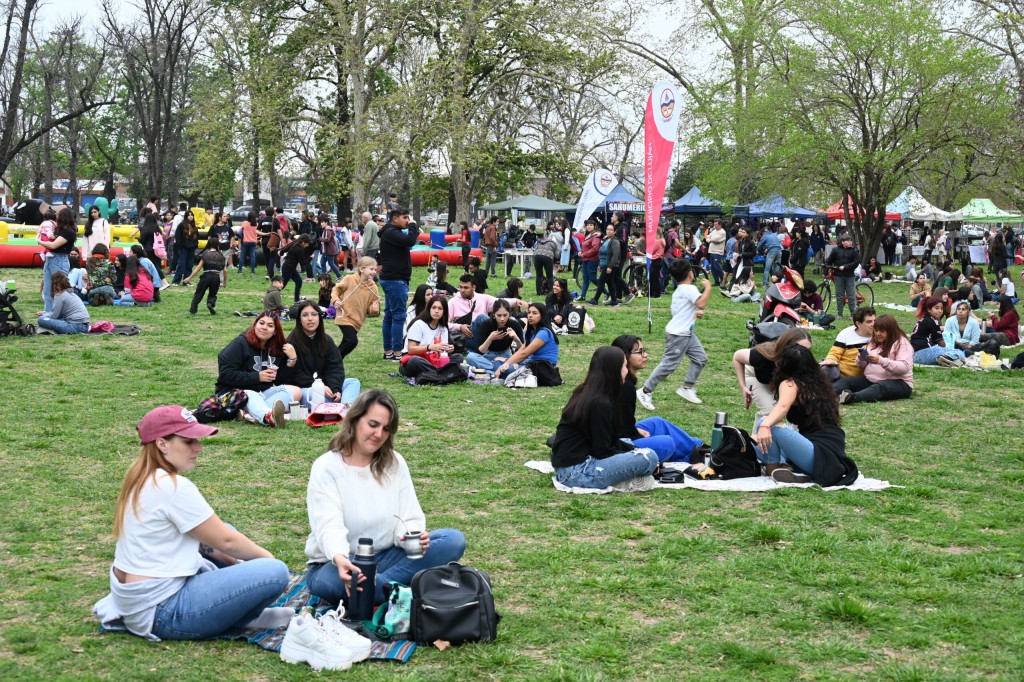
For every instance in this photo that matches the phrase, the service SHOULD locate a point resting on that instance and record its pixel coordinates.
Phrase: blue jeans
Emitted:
(326, 262)
(221, 601)
(928, 356)
(473, 342)
(601, 473)
(488, 360)
(260, 404)
(349, 392)
(771, 261)
(667, 437)
(247, 255)
(589, 269)
(446, 545)
(58, 263)
(716, 267)
(396, 294)
(59, 326)
(184, 264)
(788, 445)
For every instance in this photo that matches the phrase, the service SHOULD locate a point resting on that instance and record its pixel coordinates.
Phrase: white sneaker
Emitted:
(359, 646)
(165, 286)
(644, 398)
(689, 394)
(307, 641)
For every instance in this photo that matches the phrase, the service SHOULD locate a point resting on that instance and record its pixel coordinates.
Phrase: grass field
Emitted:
(921, 582)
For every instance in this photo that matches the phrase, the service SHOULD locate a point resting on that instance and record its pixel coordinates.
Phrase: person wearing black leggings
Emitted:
(296, 256)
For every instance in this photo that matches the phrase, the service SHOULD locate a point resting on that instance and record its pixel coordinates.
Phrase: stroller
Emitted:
(782, 300)
(8, 315)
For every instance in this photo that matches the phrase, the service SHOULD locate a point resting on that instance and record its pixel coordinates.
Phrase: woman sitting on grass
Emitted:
(427, 338)
(317, 356)
(755, 369)
(919, 290)
(102, 277)
(1003, 328)
(494, 337)
(671, 443)
(540, 342)
(68, 314)
(250, 363)
(362, 488)
(558, 302)
(176, 572)
(888, 363)
(929, 347)
(964, 329)
(586, 451)
(816, 449)
(139, 289)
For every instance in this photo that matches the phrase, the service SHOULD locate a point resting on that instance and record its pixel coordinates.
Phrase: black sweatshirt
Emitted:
(395, 261)
(597, 438)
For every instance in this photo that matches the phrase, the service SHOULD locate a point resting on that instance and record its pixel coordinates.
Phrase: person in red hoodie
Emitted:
(589, 256)
(1004, 326)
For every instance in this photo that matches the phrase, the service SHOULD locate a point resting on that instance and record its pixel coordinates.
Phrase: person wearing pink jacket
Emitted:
(888, 362)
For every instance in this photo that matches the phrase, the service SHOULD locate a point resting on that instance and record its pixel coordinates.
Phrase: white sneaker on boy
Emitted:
(689, 394)
(644, 398)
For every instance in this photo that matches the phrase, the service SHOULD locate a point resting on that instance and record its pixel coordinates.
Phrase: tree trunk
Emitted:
(73, 188)
(254, 176)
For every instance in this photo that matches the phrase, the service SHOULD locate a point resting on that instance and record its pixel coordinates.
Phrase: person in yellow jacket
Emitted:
(844, 350)
(354, 297)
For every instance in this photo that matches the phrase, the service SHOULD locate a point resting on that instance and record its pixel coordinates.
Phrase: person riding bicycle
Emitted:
(844, 260)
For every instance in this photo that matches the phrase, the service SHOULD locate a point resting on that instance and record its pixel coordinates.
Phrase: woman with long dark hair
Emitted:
(558, 302)
(816, 449)
(362, 488)
(295, 257)
(68, 315)
(755, 369)
(494, 337)
(1003, 328)
(179, 572)
(428, 345)
(97, 231)
(57, 250)
(139, 288)
(888, 364)
(929, 346)
(317, 357)
(147, 234)
(670, 442)
(586, 450)
(251, 363)
(540, 343)
(186, 241)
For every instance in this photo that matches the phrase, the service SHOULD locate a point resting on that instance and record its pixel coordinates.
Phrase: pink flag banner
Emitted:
(660, 125)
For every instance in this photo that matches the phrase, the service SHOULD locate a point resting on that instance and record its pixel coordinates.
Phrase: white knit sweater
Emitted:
(346, 503)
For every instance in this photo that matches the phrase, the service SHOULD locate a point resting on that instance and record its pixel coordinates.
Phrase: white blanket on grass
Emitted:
(755, 484)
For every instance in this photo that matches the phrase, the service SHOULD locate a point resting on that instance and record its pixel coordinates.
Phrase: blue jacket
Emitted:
(769, 242)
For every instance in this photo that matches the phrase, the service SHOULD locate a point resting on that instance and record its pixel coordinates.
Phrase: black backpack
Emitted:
(453, 603)
(449, 374)
(735, 457)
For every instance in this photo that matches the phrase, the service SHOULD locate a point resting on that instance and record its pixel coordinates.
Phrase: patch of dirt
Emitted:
(955, 549)
(643, 618)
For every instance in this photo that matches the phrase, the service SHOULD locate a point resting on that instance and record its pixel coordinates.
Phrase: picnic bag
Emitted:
(391, 620)
(453, 603)
(218, 408)
(735, 457)
(576, 319)
(327, 413)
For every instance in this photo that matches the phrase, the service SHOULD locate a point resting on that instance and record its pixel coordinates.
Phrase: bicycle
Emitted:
(865, 294)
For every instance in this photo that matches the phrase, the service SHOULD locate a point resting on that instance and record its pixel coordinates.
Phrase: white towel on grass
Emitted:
(753, 484)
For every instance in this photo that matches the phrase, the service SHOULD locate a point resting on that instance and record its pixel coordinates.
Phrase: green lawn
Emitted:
(922, 582)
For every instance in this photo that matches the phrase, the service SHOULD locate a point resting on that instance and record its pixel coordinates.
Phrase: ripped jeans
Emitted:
(601, 473)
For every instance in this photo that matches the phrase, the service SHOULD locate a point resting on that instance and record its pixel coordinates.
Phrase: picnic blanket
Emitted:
(298, 597)
(753, 484)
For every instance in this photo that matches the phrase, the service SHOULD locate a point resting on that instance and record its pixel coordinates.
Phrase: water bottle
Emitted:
(360, 602)
(316, 397)
(721, 419)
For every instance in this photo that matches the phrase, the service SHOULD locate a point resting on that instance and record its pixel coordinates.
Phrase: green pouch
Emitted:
(391, 620)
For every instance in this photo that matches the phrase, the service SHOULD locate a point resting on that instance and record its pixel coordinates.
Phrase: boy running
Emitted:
(688, 305)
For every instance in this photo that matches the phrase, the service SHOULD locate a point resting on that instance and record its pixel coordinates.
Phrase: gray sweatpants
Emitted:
(676, 347)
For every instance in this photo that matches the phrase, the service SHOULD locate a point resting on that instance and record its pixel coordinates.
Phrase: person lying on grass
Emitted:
(816, 450)
(179, 572)
(586, 450)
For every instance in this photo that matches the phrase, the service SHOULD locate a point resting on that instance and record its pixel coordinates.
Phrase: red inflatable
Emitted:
(451, 256)
(449, 238)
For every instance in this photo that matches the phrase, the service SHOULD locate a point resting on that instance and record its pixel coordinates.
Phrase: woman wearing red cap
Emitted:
(176, 573)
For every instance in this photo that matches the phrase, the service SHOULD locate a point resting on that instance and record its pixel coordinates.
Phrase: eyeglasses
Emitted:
(639, 351)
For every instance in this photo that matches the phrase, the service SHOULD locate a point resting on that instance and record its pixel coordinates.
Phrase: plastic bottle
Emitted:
(360, 603)
(316, 394)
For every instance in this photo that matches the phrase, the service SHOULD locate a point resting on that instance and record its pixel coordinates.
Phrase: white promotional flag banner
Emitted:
(600, 183)
(660, 125)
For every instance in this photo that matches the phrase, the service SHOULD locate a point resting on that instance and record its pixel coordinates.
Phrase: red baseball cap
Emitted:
(172, 420)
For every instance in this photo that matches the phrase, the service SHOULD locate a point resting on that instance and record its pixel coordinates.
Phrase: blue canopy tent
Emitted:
(695, 202)
(619, 199)
(774, 206)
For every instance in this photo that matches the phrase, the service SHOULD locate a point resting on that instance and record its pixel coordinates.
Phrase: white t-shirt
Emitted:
(155, 542)
(684, 310)
(346, 503)
(1011, 290)
(421, 333)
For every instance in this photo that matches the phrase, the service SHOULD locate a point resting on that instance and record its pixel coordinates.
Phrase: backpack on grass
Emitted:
(735, 457)
(218, 408)
(453, 603)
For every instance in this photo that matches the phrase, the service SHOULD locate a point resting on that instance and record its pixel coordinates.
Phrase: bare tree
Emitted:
(158, 50)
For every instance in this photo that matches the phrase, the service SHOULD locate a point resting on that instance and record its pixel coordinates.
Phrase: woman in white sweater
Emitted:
(361, 488)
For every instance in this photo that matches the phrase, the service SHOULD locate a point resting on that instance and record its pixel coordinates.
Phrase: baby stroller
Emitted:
(8, 315)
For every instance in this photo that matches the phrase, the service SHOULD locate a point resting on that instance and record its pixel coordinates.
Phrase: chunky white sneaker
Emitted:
(689, 394)
(307, 641)
(644, 398)
(359, 646)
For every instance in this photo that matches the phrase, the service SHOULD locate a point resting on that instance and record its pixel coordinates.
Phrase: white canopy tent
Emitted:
(913, 206)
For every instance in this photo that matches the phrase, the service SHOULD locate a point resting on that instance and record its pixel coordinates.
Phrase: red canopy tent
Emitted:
(835, 212)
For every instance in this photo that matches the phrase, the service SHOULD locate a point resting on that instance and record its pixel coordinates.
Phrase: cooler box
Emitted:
(474, 238)
(437, 238)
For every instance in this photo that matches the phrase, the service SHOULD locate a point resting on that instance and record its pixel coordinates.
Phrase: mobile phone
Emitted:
(863, 353)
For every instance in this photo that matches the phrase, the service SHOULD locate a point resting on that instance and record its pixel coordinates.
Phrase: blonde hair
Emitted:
(384, 459)
(144, 468)
(366, 262)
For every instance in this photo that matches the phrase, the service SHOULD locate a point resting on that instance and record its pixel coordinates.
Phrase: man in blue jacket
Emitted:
(771, 247)
(397, 238)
